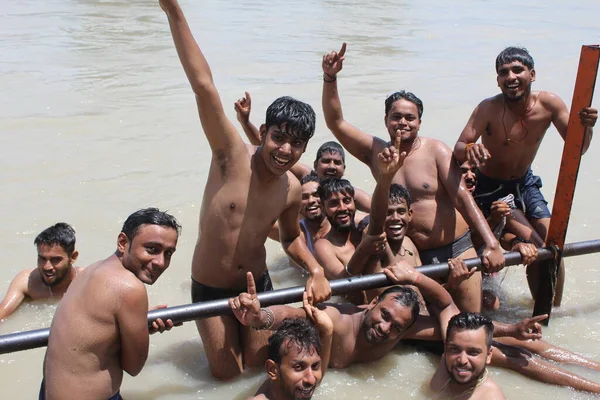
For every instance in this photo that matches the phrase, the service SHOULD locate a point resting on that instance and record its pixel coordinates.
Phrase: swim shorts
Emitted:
(201, 292)
(444, 253)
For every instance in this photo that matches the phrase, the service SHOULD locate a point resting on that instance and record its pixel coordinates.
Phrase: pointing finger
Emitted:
(248, 97)
(342, 50)
(251, 284)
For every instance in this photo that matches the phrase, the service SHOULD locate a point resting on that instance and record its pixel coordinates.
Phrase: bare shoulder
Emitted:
(116, 280)
(435, 146)
(24, 279)
(489, 390)
(323, 244)
(551, 101)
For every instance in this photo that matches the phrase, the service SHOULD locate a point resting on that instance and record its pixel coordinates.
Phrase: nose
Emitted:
(462, 358)
(285, 148)
(309, 378)
(385, 327)
(48, 265)
(159, 261)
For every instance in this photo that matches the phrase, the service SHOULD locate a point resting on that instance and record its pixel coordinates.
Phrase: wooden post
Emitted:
(567, 178)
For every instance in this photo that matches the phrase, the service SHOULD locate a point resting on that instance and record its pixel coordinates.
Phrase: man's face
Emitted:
(397, 220)
(466, 355)
(340, 209)
(279, 150)
(53, 263)
(299, 373)
(148, 255)
(514, 80)
(403, 116)
(468, 174)
(310, 204)
(386, 321)
(330, 165)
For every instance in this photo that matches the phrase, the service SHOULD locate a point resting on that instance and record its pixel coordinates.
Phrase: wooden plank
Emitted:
(567, 178)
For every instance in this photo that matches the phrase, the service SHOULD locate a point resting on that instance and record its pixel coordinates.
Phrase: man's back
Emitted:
(84, 347)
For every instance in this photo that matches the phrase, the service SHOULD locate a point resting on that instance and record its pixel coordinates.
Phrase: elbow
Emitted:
(202, 86)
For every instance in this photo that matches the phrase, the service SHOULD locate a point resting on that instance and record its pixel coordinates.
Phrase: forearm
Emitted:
(433, 292)
(587, 139)
(465, 204)
(504, 330)
(251, 132)
(358, 261)
(326, 340)
(379, 204)
(332, 106)
(460, 151)
(296, 249)
(194, 64)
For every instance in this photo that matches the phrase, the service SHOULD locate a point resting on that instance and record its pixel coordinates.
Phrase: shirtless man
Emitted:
(367, 333)
(462, 373)
(329, 162)
(100, 327)
(314, 224)
(54, 273)
(335, 250)
(515, 122)
(428, 171)
(299, 351)
(248, 189)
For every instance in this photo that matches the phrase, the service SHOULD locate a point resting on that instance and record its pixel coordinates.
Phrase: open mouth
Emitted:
(280, 162)
(396, 229)
(306, 393)
(330, 172)
(463, 372)
(343, 218)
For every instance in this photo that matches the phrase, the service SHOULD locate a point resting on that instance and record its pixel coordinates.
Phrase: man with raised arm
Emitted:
(443, 209)
(54, 273)
(100, 328)
(511, 126)
(248, 189)
(330, 161)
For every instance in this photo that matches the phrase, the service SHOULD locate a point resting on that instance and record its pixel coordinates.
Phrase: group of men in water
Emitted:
(423, 210)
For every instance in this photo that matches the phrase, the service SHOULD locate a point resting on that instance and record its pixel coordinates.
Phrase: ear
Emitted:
(488, 359)
(410, 212)
(272, 370)
(73, 257)
(122, 242)
(263, 133)
(533, 75)
(372, 303)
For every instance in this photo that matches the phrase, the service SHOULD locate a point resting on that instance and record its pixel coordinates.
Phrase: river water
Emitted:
(97, 120)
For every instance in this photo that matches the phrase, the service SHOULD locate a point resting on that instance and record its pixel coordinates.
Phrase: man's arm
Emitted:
(358, 143)
(132, 321)
(317, 285)
(15, 294)
(451, 178)
(222, 136)
(300, 170)
(243, 108)
(362, 200)
(560, 118)
(466, 147)
(332, 265)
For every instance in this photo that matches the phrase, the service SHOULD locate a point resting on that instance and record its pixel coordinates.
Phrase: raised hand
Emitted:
(246, 307)
(498, 210)
(332, 62)
(528, 252)
(159, 325)
(588, 116)
(391, 159)
(477, 154)
(317, 288)
(242, 108)
(529, 328)
(319, 317)
(402, 273)
(458, 272)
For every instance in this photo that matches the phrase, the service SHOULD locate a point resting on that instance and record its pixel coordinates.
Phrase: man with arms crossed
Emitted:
(428, 171)
(299, 352)
(248, 189)
(100, 327)
(512, 125)
(462, 373)
(54, 273)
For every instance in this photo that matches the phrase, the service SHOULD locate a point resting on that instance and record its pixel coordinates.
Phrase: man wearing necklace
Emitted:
(54, 273)
(462, 373)
(443, 209)
(512, 125)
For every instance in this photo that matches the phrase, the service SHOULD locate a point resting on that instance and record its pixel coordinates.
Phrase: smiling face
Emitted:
(403, 116)
(148, 255)
(514, 80)
(386, 321)
(340, 209)
(54, 263)
(310, 204)
(397, 220)
(466, 354)
(468, 174)
(330, 165)
(298, 374)
(280, 150)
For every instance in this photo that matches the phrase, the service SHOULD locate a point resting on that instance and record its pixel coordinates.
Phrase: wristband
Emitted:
(270, 320)
(328, 78)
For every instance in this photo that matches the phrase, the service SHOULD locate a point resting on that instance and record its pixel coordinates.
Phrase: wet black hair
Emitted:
(61, 234)
(404, 296)
(467, 321)
(403, 94)
(329, 186)
(294, 332)
(399, 192)
(333, 148)
(310, 178)
(148, 216)
(511, 54)
(295, 116)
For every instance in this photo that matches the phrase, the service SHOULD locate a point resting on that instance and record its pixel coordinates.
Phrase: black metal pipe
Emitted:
(38, 338)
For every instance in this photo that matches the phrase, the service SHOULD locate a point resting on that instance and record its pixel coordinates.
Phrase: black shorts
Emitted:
(444, 253)
(201, 292)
